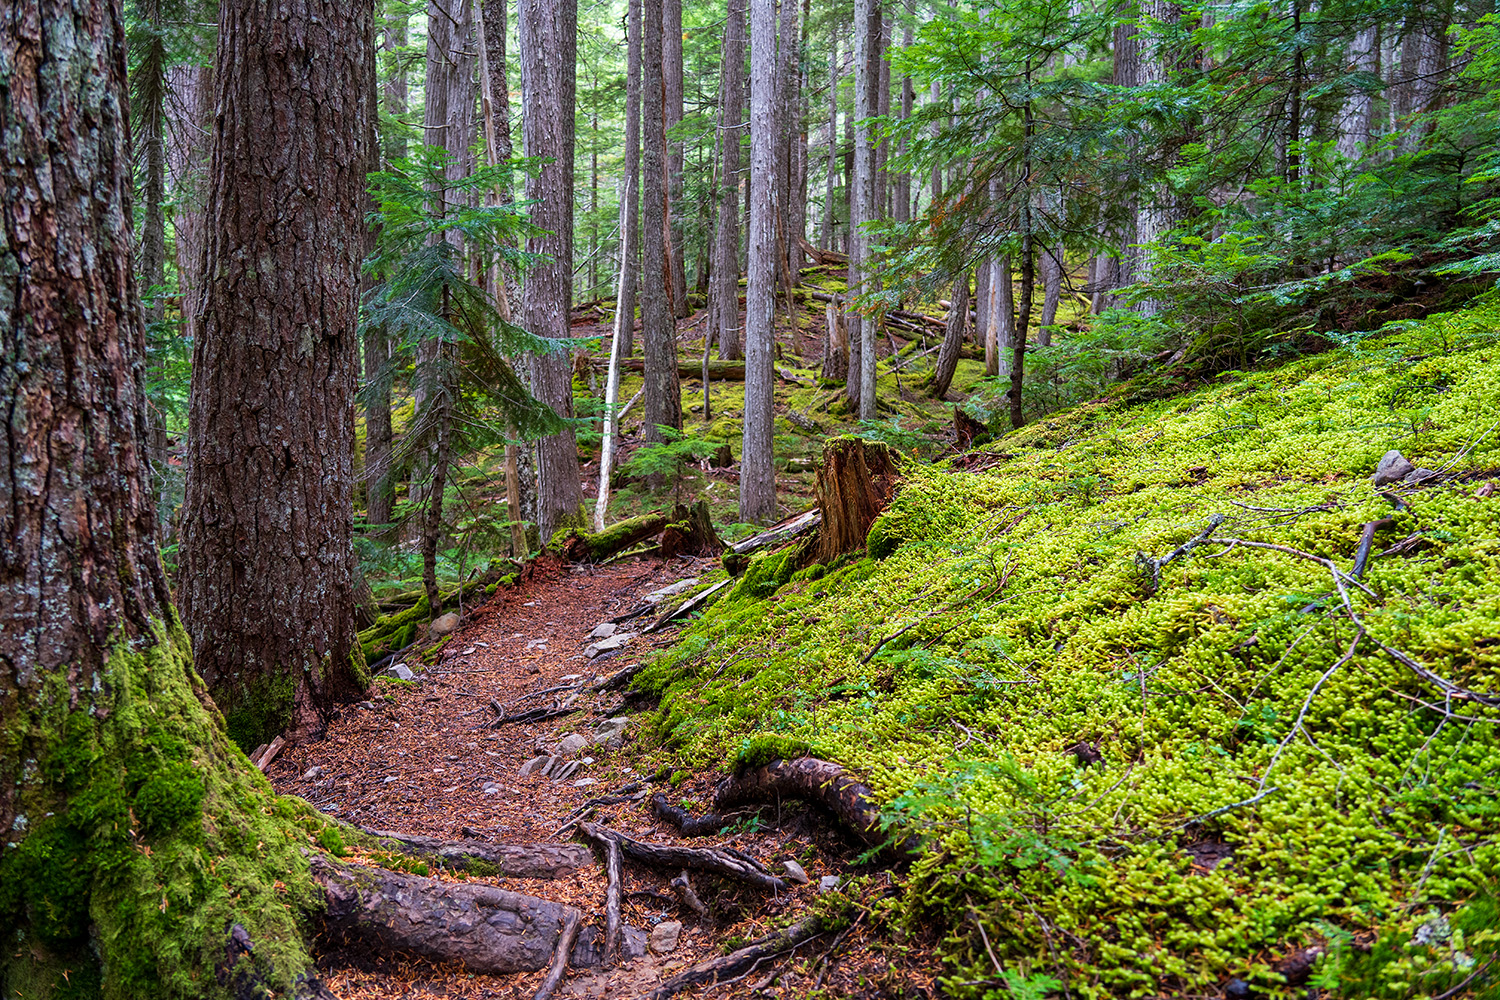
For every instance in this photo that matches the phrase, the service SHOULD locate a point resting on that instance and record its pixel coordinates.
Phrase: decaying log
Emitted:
(512, 860)
(718, 970)
(690, 532)
(823, 258)
(718, 371)
(738, 555)
(571, 922)
(855, 482)
(487, 930)
(736, 866)
(835, 345)
(600, 545)
(966, 429)
(617, 679)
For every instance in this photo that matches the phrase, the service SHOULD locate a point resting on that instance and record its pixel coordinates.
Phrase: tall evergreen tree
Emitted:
(757, 465)
(267, 564)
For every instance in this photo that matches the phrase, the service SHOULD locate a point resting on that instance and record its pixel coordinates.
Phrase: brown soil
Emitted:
(416, 758)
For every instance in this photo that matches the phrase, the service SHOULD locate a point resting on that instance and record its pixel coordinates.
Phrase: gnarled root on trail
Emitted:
(740, 963)
(820, 782)
(512, 860)
(488, 930)
(728, 863)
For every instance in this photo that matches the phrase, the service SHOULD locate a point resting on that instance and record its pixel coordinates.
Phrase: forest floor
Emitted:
(426, 758)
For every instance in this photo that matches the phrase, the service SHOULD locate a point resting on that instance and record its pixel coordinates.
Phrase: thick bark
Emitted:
(953, 338)
(658, 329)
(1357, 122)
(789, 256)
(726, 269)
(757, 467)
(690, 532)
(548, 43)
(671, 56)
(488, 930)
(1424, 68)
(856, 481)
(1156, 212)
(267, 563)
(116, 779)
(901, 186)
(827, 239)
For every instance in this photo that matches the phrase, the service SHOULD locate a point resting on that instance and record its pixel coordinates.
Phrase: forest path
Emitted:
(424, 759)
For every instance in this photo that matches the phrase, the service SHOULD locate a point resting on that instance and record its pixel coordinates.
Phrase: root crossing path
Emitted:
(432, 759)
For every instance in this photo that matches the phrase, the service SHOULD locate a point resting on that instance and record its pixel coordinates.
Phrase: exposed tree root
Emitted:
(683, 888)
(738, 963)
(488, 930)
(512, 860)
(818, 781)
(571, 922)
(734, 865)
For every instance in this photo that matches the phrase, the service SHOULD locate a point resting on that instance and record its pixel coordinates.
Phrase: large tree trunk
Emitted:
(267, 563)
(757, 466)
(1357, 122)
(1156, 212)
(658, 329)
(726, 269)
(189, 112)
(953, 338)
(827, 238)
(548, 43)
(134, 833)
(671, 55)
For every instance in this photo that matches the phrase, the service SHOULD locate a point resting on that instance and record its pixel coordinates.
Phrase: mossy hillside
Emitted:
(1034, 630)
(147, 835)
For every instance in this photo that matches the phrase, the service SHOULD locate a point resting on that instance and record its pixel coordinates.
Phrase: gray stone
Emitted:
(391, 779)
(585, 782)
(610, 728)
(828, 883)
(666, 592)
(1417, 475)
(1392, 468)
(446, 625)
(794, 872)
(572, 745)
(312, 774)
(604, 630)
(534, 765)
(566, 770)
(634, 943)
(609, 645)
(664, 936)
(398, 671)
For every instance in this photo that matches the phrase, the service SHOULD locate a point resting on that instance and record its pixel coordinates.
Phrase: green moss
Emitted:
(1027, 631)
(761, 749)
(880, 542)
(259, 710)
(146, 835)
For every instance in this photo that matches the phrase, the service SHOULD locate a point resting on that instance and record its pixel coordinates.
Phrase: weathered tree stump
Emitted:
(691, 533)
(856, 482)
(488, 930)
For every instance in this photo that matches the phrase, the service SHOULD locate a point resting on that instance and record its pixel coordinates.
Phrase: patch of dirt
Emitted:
(426, 759)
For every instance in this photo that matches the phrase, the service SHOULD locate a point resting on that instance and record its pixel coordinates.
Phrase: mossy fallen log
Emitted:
(596, 546)
(718, 371)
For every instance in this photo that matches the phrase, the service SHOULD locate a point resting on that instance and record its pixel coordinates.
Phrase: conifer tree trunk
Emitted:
(789, 256)
(868, 28)
(1156, 211)
(630, 193)
(1357, 122)
(828, 236)
(663, 397)
(380, 494)
(726, 269)
(267, 564)
(953, 338)
(115, 777)
(548, 44)
(189, 112)
(671, 55)
(901, 188)
(757, 468)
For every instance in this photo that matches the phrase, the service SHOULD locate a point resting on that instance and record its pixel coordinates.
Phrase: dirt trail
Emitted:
(424, 759)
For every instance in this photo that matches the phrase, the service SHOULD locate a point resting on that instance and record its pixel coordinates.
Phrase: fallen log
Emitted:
(511, 860)
(486, 929)
(740, 867)
(739, 963)
(686, 608)
(617, 679)
(718, 371)
(785, 531)
(597, 546)
(824, 258)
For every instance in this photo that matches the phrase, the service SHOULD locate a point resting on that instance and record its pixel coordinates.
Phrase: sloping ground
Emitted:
(1135, 786)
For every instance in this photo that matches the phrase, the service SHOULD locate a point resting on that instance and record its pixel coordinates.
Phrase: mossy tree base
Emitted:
(857, 480)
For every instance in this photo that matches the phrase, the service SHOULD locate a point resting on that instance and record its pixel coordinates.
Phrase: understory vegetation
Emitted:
(1119, 671)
